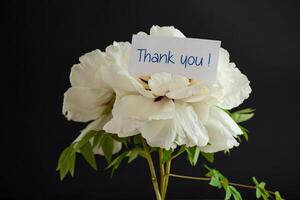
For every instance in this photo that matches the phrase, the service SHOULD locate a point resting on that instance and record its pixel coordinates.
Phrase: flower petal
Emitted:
(169, 31)
(191, 131)
(159, 83)
(116, 74)
(142, 108)
(235, 85)
(221, 130)
(124, 127)
(159, 133)
(84, 104)
(87, 72)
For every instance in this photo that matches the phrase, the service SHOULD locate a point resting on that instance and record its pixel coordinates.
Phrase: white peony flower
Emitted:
(89, 97)
(170, 110)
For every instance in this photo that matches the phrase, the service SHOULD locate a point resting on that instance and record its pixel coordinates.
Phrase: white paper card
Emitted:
(193, 58)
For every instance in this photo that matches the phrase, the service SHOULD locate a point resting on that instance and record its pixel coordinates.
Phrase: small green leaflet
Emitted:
(208, 156)
(192, 154)
(278, 196)
(242, 115)
(261, 191)
(167, 155)
(220, 181)
(66, 162)
(132, 154)
(88, 154)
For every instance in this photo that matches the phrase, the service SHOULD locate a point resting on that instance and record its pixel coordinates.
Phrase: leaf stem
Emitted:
(208, 179)
(178, 153)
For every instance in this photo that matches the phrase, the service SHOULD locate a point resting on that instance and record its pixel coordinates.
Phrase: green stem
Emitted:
(162, 171)
(166, 180)
(208, 179)
(152, 171)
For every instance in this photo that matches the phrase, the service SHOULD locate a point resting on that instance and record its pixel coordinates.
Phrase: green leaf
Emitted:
(242, 115)
(215, 181)
(137, 141)
(228, 193)
(66, 162)
(193, 154)
(236, 194)
(117, 161)
(98, 139)
(133, 154)
(278, 196)
(167, 155)
(208, 156)
(72, 164)
(220, 181)
(85, 139)
(245, 132)
(108, 147)
(87, 152)
(260, 189)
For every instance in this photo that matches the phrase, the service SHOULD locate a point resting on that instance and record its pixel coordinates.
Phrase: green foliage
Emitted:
(66, 162)
(208, 156)
(220, 181)
(132, 154)
(278, 196)
(245, 132)
(91, 140)
(88, 154)
(167, 155)
(261, 191)
(192, 154)
(242, 115)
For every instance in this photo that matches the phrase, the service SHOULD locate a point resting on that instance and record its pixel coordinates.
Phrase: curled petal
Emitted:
(234, 84)
(124, 127)
(84, 104)
(87, 73)
(221, 130)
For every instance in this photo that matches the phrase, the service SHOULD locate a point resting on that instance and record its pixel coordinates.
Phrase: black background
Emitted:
(43, 39)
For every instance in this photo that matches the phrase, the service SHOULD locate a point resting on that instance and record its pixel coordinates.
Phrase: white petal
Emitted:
(202, 111)
(188, 92)
(142, 108)
(159, 133)
(124, 127)
(235, 85)
(84, 104)
(159, 83)
(226, 120)
(169, 31)
(87, 72)
(221, 130)
(191, 131)
(116, 73)
(178, 82)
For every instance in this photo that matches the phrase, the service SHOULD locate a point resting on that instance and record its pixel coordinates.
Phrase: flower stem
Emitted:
(162, 172)
(166, 180)
(152, 171)
(208, 179)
